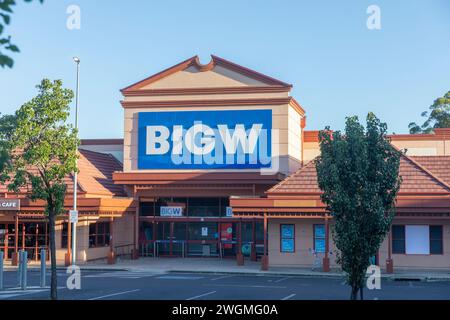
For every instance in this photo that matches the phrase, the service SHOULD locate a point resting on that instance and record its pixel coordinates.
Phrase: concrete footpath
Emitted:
(228, 266)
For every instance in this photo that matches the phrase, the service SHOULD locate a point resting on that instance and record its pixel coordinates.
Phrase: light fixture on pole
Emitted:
(74, 213)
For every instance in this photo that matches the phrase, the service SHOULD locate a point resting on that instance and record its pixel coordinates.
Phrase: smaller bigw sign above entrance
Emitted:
(232, 139)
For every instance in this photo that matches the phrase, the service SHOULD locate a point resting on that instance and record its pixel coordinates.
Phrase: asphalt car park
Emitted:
(131, 285)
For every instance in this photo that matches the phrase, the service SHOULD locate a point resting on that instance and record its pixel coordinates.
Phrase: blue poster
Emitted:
(319, 245)
(287, 245)
(231, 139)
(319, 231)
(287, 231)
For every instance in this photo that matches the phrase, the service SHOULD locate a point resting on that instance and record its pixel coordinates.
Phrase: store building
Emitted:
(215, 162)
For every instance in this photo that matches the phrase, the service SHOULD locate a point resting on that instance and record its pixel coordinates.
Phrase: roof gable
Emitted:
(217, 73)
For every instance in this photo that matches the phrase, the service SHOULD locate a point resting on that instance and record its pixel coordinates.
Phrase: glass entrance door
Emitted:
(171, 238)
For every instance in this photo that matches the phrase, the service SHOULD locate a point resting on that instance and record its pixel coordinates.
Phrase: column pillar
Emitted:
(68, 255)
(135, 251)
(111, 254)
(15, 255)
(239, 255)
(265, 257)
(326, 259)
(253, 250)
(389, 260)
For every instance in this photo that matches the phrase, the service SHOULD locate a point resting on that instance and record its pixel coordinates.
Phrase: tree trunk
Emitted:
(361, 291)
(354, 293)
(53, 285)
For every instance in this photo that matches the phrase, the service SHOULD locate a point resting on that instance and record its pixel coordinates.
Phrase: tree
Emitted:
(5, 42)
(359, 175)
(42, 151)
(439, 116)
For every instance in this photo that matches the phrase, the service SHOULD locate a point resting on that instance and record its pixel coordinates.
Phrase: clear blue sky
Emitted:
(337, 66)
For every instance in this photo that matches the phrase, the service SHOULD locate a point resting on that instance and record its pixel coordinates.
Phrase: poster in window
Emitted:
(287, 231)
(287, 245)
(319, 231)
(319, 245)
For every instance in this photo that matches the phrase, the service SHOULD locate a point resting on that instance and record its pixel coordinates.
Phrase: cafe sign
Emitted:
(9, 204)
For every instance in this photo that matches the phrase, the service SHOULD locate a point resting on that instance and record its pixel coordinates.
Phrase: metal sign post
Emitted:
(73, 217)
(75, 174)
(1, 270)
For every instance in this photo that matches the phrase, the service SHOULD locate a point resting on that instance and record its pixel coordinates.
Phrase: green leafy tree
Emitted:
(6, 9)
(358, 173)
(438, 117)
(42, 153)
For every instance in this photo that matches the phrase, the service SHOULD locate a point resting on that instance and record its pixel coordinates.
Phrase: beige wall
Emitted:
(285, 118)
(311, 150)
(116, 150)
(423, 147)
(123, 229)
(304, 242)
(419, 261)
(192, 78)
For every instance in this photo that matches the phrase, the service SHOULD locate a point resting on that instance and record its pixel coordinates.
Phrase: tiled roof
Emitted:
(95, 173)
(438, 165)
(94, 177)
(416, 179)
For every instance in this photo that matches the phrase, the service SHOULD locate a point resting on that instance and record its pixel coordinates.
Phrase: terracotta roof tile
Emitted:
(438, 165)
(94, 177)
(416, 179)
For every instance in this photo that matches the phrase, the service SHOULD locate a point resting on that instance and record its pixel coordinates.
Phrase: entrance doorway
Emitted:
(171, 238)
(32, 237)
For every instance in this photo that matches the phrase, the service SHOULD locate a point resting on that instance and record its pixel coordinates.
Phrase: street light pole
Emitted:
(75, 176)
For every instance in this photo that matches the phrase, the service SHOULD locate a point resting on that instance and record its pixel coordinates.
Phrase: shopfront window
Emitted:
(319, 238)
(417, 239)
(99, 235)
(398, 239)
(287, 241)
(64, 236)
(203, 231)
(204, 207)
(194, 207)
(436, 245)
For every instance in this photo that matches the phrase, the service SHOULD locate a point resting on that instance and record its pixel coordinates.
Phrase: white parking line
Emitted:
(114, 294)
(279, 280)
(242, 286)
(201, 295)
(222, 277)
(289, 296)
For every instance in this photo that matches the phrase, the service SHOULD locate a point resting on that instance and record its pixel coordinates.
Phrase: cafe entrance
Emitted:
(29, 236)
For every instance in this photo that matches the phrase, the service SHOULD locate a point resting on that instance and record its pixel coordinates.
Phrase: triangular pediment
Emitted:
(218, 73)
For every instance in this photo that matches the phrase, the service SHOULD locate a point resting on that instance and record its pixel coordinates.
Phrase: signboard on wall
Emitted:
(9, 204)
(231, 139)
(171, 212)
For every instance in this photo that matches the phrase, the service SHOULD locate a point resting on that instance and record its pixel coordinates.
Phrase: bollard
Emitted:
(1, 270)
(19, 270)
(24, 269)
(42, 268)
